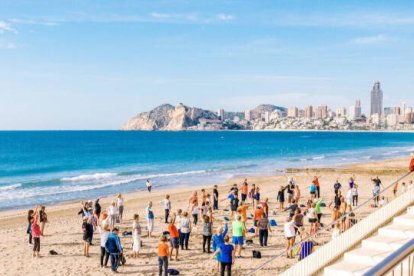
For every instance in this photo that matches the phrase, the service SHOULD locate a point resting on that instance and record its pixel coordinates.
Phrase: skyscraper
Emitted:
(322, 112)
(309, 112)
(376, 99)
(220, 113)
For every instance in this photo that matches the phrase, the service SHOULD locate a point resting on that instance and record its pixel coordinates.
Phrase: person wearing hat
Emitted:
(114, 248)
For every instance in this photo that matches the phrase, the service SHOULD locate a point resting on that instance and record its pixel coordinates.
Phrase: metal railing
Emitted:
(400, 262)
(331, 251)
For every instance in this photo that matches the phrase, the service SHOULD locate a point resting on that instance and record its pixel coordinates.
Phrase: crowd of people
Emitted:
(248, 215)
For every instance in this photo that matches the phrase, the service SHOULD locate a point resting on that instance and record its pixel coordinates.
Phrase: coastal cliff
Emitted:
(168, 117)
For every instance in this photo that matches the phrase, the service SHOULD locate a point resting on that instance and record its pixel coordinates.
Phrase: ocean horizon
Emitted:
(49, 167)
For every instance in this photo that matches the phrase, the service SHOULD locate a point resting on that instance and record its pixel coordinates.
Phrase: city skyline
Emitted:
(91, 64)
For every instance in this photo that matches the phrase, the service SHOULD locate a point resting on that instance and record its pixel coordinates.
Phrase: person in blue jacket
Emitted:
(114, 248)
(218, 239)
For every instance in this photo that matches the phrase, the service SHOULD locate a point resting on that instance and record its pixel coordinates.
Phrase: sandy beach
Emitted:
(63, 233)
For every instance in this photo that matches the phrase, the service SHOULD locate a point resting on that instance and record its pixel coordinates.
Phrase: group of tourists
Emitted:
(248, 215)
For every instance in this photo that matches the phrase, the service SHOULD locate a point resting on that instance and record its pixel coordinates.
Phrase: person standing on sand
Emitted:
(317, 185)
(395, 189)
(239, 230)
(114, 248)
(251, 192)
(87, 229)
(149, 185)
(163, 256)
(193, 201)
(136, 236)
(185, 230)
(203, 196)
(354, 192)
(281, 197)
(150, 218)
(113, 214)
(296, 193)
(289, 231)
(263, 229)
(256, 197)
(411, 166)
(290, 189)
(337, 187)
(42, 219)
(226, 253)
(174, 237)
(244, 190)
(215, 198)
(207, 234)
(120, 204)
(218, 240)
(167, 207)
(97, 209)
(234, 205)
(30, 216)
(36, 233)
(312, 191)
(104, 234)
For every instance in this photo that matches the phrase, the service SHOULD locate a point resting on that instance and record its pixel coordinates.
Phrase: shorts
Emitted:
(244, 197)
(237, 240)
(174, 242)
(312, 193)
(290, 196)
(289, 238)
(312, 220)
(87, 239)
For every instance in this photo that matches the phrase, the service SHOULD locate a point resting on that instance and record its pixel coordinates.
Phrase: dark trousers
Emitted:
(263, 234)
(121, 211)
(318, 191)
(215, 204)
(167, 214)
(195, 217)
(223, 268)
(355, 200)
(319, 218)
(163, 263)
(30, 238)
(207, 240)
(104, 255)
(184, 237)
(114, 261)
(36, 246)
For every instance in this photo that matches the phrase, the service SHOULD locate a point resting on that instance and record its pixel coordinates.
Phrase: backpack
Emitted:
(173, 271)
(273, 222)
(257, 254)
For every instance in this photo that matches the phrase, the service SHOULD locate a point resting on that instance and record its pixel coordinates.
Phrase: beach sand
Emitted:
(64, 232)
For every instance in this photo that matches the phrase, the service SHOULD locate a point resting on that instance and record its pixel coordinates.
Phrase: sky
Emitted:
(94, 64)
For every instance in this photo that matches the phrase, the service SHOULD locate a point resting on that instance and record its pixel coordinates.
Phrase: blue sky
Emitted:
(93, 64)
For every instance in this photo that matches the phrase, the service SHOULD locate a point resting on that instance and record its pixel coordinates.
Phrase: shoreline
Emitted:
(64, 232)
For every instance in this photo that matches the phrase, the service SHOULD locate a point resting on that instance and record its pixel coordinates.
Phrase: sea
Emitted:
(47, 167)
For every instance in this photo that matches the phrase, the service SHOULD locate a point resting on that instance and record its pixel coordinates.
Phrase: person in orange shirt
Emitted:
(244, 190)
(258, 214)
(174, 237)
(203, 196)
(411, 167)
(163, 255)
(318, 188)
(242, 210)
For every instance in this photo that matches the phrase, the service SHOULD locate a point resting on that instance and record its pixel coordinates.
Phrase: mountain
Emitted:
(168, 117)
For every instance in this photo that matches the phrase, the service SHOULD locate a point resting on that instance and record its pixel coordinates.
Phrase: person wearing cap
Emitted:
(114, 248)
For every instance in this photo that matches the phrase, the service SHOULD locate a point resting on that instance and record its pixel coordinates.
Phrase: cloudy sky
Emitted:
(93, 64)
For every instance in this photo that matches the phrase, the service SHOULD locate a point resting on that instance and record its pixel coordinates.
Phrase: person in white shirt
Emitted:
(289, 229)
(150, 218)
(120, 204)
(348, 196)
(167, 207)
(104, 234)
(149, 185)
(113, 214)
(136, 235)
(354, 193)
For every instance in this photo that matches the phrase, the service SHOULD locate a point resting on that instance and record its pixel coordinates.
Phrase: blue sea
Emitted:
(53, 166)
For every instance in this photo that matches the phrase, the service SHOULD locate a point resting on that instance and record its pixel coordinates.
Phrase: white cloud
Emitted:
(367, 40)
(225, 17)
(5, 27)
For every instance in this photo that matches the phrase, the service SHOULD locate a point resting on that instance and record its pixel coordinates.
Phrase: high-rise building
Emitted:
(248, 115)
(309, 112)
(358, 109)
(266, 117)
(293, 112)
(220, 113)
(376, 99)
(322, 112)
(341, 112)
